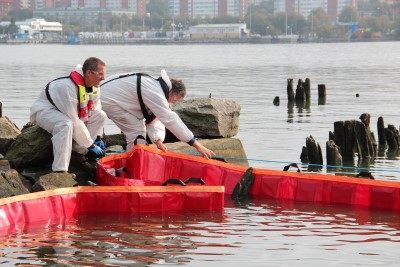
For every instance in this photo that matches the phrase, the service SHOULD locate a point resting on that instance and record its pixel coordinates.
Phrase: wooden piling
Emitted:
(276, 101)
(392, 137)
(1, 109)
(290, 92)
(307, 88)
(321, 91)
(333, 156)
(314, 151)
(300, 94)
(381, 131)
(304, 155)
(354, 136)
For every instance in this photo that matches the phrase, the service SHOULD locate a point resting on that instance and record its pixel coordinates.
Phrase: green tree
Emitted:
(322, 24)
(348, 14)
(12, 28)
(159, 7)
(19, 15)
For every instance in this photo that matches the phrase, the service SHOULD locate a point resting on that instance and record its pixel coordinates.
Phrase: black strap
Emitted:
(48, 94)
(286, 168)
(139, 137)
(149, 117)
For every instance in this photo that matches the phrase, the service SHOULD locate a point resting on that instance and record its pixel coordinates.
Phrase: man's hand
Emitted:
(95, 152)
(160, 145)
(98, 142)
(205, 152)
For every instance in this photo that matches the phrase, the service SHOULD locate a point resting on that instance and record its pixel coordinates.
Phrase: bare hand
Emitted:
(161, 146)
(205, 152)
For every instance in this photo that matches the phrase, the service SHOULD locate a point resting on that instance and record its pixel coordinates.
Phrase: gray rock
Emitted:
(115, 139)
(12, 183)
(32, 147)
(228, 150)
(53, 180)
(8, 133)
(4, 165)
(209, 117)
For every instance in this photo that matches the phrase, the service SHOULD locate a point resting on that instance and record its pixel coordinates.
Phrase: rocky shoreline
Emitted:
(26, 164)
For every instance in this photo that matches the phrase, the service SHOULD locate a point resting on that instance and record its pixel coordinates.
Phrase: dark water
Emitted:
(259, 233)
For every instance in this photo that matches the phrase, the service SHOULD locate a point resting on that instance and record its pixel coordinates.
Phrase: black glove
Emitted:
(95, 152)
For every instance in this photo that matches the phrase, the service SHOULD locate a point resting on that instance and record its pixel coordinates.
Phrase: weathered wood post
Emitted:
(290, 92)
(314, 151)
(344, 138)
(276, 101)
(368, 138)
(355, 136)
(300, 94)
(304, 155)
(333, 156)
(321, 90)
(1, 109)
(392, 137)
(381, 131)
(307, 88)
(321, 94)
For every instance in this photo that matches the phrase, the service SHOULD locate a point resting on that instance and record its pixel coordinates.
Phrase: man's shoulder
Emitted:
(63, 83)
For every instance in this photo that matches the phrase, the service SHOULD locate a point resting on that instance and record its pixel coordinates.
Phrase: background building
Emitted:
(210, 8)
(39, 29)
(218, 31)
(304, 7)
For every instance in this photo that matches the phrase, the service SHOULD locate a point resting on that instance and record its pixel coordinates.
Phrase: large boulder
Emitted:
(32, 147)
(11, 182)
(54, 180)
(228, 150)
(209, 117)
(8, 133)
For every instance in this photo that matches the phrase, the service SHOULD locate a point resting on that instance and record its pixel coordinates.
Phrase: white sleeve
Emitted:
(156, 131)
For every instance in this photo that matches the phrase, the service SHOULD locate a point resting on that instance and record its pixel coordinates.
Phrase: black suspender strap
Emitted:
(149, 117)
(48, 94)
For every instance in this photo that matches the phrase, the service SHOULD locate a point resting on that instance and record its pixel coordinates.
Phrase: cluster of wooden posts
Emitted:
(303, 92)
(349, 140)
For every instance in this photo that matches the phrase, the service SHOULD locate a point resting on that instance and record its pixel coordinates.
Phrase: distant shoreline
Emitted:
(164, 41)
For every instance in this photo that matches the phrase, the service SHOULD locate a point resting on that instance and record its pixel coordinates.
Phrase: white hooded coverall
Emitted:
(69, 132)
(119, 100)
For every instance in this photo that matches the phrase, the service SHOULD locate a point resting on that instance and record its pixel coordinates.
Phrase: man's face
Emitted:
(173, 98)
(95, 77)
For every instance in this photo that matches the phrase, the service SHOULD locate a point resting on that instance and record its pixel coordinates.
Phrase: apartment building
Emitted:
(136, 6)
(208, 8)
(304, 7)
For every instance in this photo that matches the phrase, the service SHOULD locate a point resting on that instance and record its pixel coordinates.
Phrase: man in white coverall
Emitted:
(136, 102)
(69, 108)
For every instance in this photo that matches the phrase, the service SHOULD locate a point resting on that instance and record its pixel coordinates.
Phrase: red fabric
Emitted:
(153, 167)
(67, 204)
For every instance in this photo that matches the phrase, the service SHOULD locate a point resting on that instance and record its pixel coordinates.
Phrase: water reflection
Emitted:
(256, 230)
(303, 110)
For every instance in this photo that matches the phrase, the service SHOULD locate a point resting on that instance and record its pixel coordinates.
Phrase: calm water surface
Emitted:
(259, 233)
(253, 75)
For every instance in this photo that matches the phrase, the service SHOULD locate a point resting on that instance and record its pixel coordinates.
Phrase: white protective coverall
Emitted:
(119, 100)
(69, 132)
